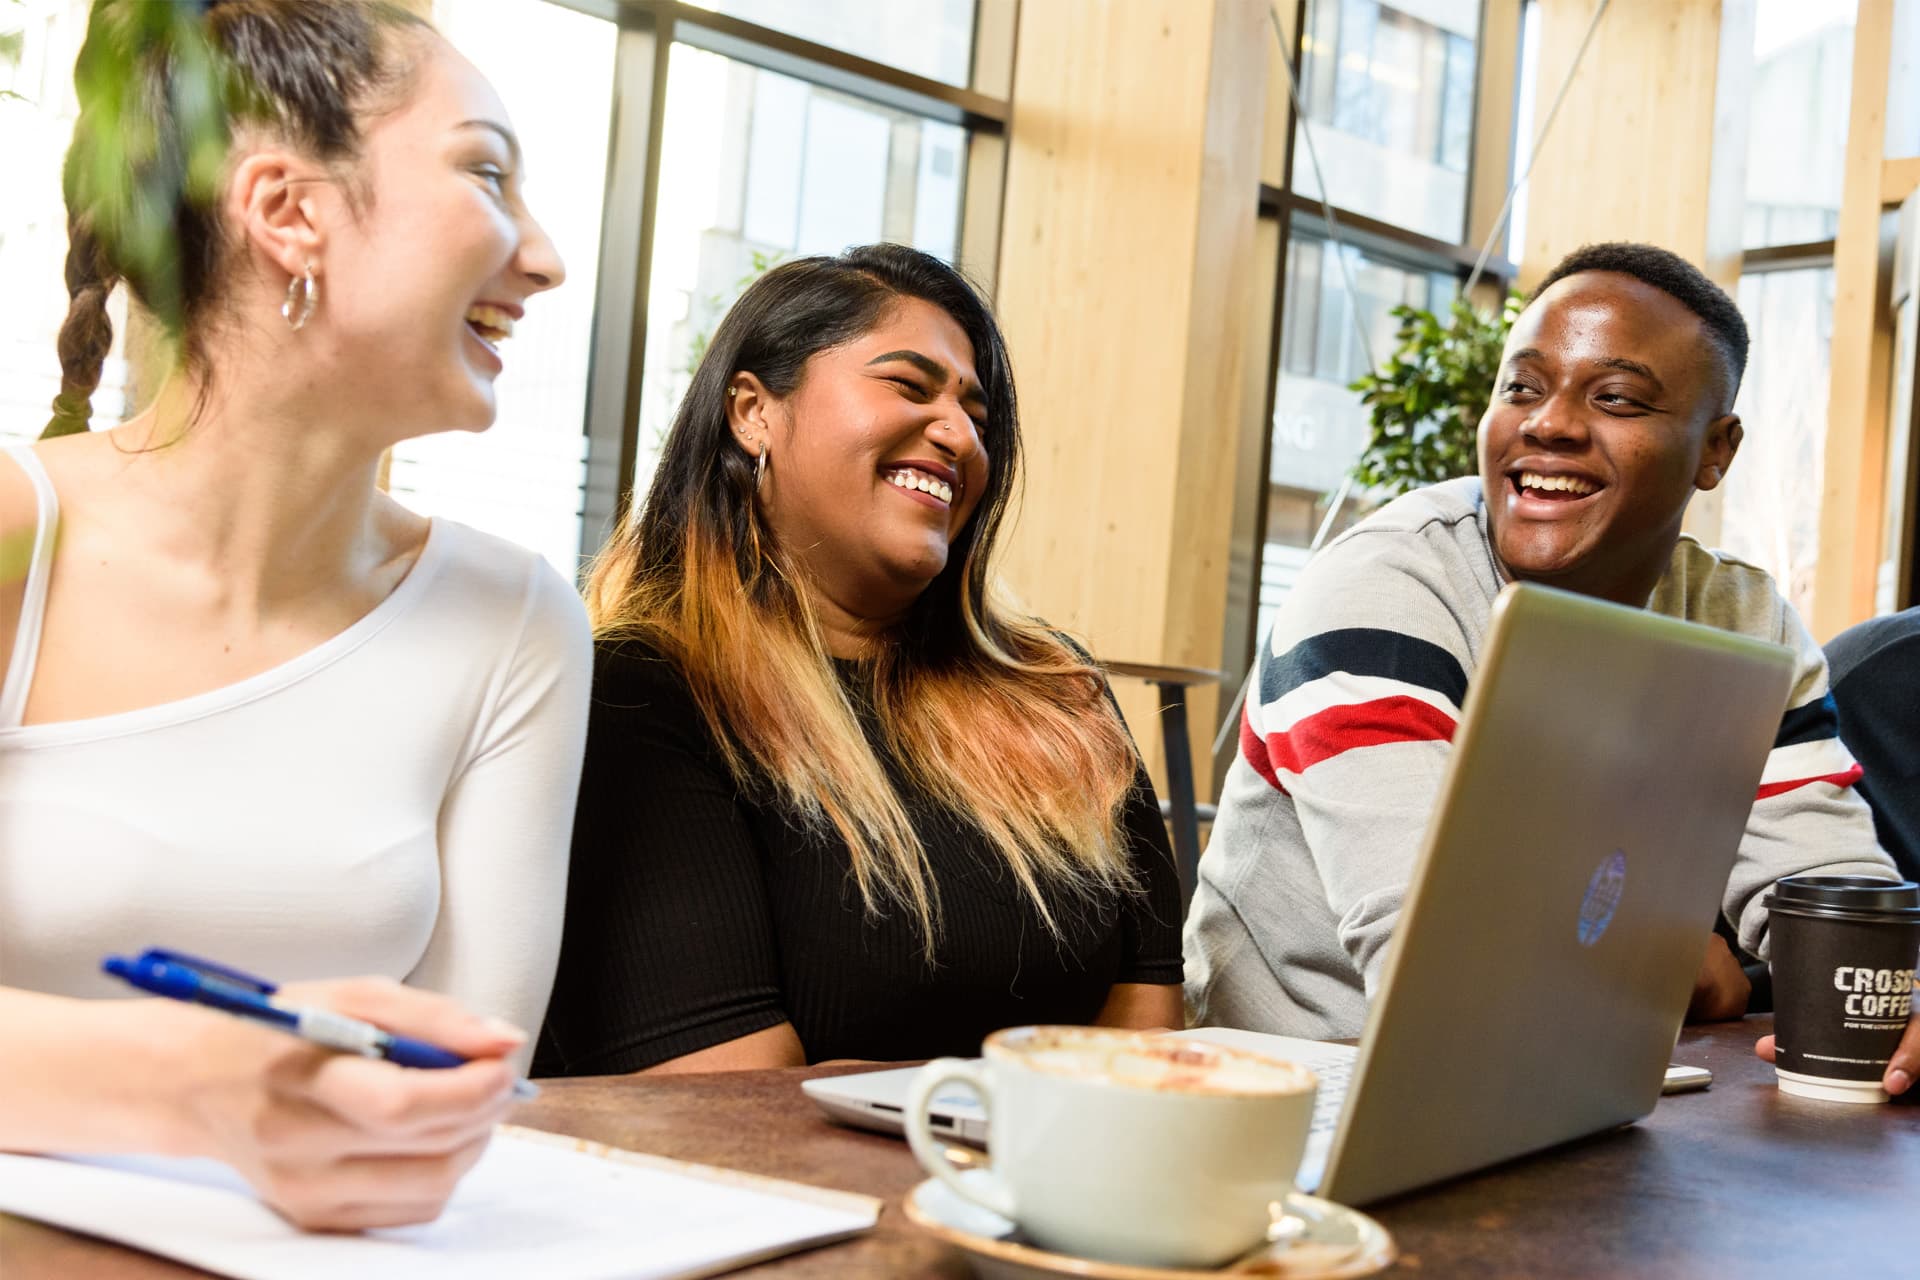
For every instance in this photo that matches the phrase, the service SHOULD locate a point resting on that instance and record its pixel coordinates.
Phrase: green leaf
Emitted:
(1425, 403)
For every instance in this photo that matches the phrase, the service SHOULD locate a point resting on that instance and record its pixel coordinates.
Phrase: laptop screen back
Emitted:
(1601, 778)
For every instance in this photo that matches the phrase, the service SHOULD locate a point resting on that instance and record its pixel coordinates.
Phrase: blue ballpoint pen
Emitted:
(181, 977)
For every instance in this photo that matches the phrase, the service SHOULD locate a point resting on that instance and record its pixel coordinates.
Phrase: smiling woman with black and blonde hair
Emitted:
(838, 801)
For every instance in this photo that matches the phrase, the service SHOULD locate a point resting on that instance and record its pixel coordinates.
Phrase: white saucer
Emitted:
(1338, 1243)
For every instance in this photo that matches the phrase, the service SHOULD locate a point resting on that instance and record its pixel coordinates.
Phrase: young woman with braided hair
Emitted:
(253, 708)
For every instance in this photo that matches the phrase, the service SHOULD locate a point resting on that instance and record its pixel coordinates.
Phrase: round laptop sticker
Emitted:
(1603, 897)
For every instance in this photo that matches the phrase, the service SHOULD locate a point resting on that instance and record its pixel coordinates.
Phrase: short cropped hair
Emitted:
(1675, 276)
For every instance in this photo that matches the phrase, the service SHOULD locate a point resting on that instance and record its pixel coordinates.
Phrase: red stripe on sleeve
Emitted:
(1326, 734)
(1255, 752)
(1846, 779)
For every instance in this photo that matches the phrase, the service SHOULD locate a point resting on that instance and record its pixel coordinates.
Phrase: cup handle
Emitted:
(987, 1190)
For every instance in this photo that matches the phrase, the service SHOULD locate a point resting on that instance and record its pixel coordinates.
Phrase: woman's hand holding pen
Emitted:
(333, 1141)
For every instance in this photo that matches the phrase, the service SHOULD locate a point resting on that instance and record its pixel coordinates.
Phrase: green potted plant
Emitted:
(1424, 406)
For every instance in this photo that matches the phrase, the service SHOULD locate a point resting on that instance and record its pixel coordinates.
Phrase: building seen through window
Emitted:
(1319, 424)
(1771, 512)
(1389, 92)
(757, 167)
(1797, 128)
(931, 38)
(522, 478)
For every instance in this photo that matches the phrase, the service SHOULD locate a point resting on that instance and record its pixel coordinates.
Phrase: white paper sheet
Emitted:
(533, 1206)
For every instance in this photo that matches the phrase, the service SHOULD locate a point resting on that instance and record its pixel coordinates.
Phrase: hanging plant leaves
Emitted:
(1424, 406)
(133, 176)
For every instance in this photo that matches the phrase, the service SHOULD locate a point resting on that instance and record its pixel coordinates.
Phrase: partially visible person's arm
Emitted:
(669, 958)
(1807, 817)
(1876, 691)
(507, 817)
(1352, 715)
(757, 1051)
(1721, 989)
(1142, 1006)
(332, 1141)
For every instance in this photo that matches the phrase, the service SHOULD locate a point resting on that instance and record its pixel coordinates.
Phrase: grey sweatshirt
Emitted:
(1346, 736)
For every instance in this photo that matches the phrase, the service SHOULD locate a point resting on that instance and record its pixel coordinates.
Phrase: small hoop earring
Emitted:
(303, 295)
(760, 465)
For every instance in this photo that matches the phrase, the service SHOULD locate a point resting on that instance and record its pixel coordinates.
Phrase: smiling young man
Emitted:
(1614, 404)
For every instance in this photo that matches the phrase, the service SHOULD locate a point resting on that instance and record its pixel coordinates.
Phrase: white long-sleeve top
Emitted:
(397, 801)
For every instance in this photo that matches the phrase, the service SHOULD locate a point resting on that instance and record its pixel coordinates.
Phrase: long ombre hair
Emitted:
(999, 720)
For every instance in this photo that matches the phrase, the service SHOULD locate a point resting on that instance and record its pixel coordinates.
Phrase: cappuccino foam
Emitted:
(1156, 1063)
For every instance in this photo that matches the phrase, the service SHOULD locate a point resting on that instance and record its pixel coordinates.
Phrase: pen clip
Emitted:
(207, 969)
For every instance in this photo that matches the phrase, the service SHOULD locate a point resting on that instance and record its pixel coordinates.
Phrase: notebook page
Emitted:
(532, 1206)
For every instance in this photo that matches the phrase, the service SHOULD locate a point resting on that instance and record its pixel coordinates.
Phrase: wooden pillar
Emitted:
(1125, 268)
(1494, 145)
(1853, 482)
(1650, 144)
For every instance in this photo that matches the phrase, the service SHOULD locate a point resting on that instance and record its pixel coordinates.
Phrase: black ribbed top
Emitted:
(696, 915)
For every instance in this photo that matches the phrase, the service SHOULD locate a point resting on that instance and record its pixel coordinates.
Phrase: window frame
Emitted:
(646, 31)
(1496, 84)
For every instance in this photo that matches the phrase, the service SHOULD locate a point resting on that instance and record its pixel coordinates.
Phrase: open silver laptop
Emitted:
(1601, 778)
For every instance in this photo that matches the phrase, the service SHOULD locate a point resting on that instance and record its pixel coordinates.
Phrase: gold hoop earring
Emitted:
(303, 295)
(760, 465)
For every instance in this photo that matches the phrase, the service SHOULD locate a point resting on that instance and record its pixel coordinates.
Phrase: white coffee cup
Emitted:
(1125, 1146)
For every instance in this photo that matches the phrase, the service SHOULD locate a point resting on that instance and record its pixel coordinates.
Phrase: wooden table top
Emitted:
(1161, 674)
(1739, 1180)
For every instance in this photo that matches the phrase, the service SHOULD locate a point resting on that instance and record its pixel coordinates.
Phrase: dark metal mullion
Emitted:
(1385, 238)
(626, 268)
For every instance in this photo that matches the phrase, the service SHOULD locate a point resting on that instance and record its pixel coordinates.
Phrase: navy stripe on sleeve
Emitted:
(1810, 723)
(1366, 651)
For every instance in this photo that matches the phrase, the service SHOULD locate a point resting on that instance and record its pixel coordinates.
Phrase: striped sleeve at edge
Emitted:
(1808, 750)
(1344, 690)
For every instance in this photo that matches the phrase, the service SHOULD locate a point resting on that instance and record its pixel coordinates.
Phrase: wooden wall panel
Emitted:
(1853, 483)
(1494, 101)
(1631, 153)
(1126, 246)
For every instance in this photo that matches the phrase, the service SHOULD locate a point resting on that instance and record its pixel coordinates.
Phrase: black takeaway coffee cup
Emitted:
(1842, 954)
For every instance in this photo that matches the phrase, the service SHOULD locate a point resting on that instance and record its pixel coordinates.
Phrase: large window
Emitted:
(522, 478)
(38, 42)
(1802, 81)
(773, 144)
(1771, 515)
(1319, 424)
(1388, 90)
(757, 167)
(1802, 78)
(932, 38)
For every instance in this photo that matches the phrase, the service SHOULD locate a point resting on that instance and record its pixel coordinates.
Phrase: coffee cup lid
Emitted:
(1865, 895)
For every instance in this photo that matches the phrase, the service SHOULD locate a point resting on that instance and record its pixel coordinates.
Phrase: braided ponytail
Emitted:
(160, 84)
(86, 335)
